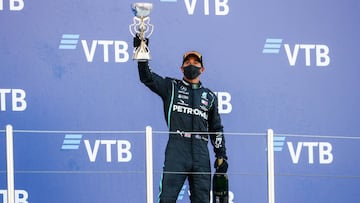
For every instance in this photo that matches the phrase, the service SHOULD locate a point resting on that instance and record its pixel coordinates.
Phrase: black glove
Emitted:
(137, 41)
(221, 168)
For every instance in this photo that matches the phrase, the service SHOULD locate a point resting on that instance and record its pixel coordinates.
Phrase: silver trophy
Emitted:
(141, 28)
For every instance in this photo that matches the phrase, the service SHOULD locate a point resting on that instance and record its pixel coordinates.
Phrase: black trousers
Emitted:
(186, 158)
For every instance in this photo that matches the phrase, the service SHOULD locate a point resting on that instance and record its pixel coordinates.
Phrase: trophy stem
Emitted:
(142, 29)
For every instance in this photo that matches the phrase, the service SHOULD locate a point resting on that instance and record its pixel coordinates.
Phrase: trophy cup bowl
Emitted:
(141, 9)
(142, 29)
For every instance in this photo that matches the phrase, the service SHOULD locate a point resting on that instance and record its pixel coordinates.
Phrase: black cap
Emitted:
(193, 53)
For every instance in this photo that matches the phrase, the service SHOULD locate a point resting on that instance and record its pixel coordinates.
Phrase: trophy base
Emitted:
(142, 56)
(142, 53)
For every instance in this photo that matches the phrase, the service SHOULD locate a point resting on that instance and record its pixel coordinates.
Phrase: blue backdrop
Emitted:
(287, 65)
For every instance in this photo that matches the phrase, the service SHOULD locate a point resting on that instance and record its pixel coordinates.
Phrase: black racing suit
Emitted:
(191, 113)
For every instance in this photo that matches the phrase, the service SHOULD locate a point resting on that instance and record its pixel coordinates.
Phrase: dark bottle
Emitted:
(220, 188)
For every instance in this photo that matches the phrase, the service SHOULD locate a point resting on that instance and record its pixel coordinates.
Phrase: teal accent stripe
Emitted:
(171, 104)
(160, 187)
(213, 99)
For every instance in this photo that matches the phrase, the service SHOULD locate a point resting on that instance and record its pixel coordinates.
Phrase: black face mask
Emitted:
(191, 72)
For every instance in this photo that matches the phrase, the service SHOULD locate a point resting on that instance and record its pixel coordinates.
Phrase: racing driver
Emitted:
(191, 114)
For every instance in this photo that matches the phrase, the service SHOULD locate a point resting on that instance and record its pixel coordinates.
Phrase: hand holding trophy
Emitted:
(142, 29)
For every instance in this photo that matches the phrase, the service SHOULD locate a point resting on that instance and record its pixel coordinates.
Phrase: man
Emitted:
(191, 113)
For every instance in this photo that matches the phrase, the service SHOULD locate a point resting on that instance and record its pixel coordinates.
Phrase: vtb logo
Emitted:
(16, 99)
(221, 7)
(319, 51)
(321, 151)
(14, 5)
(117, 48)
(122, 147)
(21, 196)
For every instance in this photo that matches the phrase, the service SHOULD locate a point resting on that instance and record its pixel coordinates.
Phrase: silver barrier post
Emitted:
(10, 164)
(270, 165)
(149, 165)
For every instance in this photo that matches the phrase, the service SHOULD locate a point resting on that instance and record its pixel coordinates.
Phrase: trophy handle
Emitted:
(132, 27)
(141, 22)
(149, 27)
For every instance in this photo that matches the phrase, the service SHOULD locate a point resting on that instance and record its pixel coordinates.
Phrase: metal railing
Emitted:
(149, 156)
